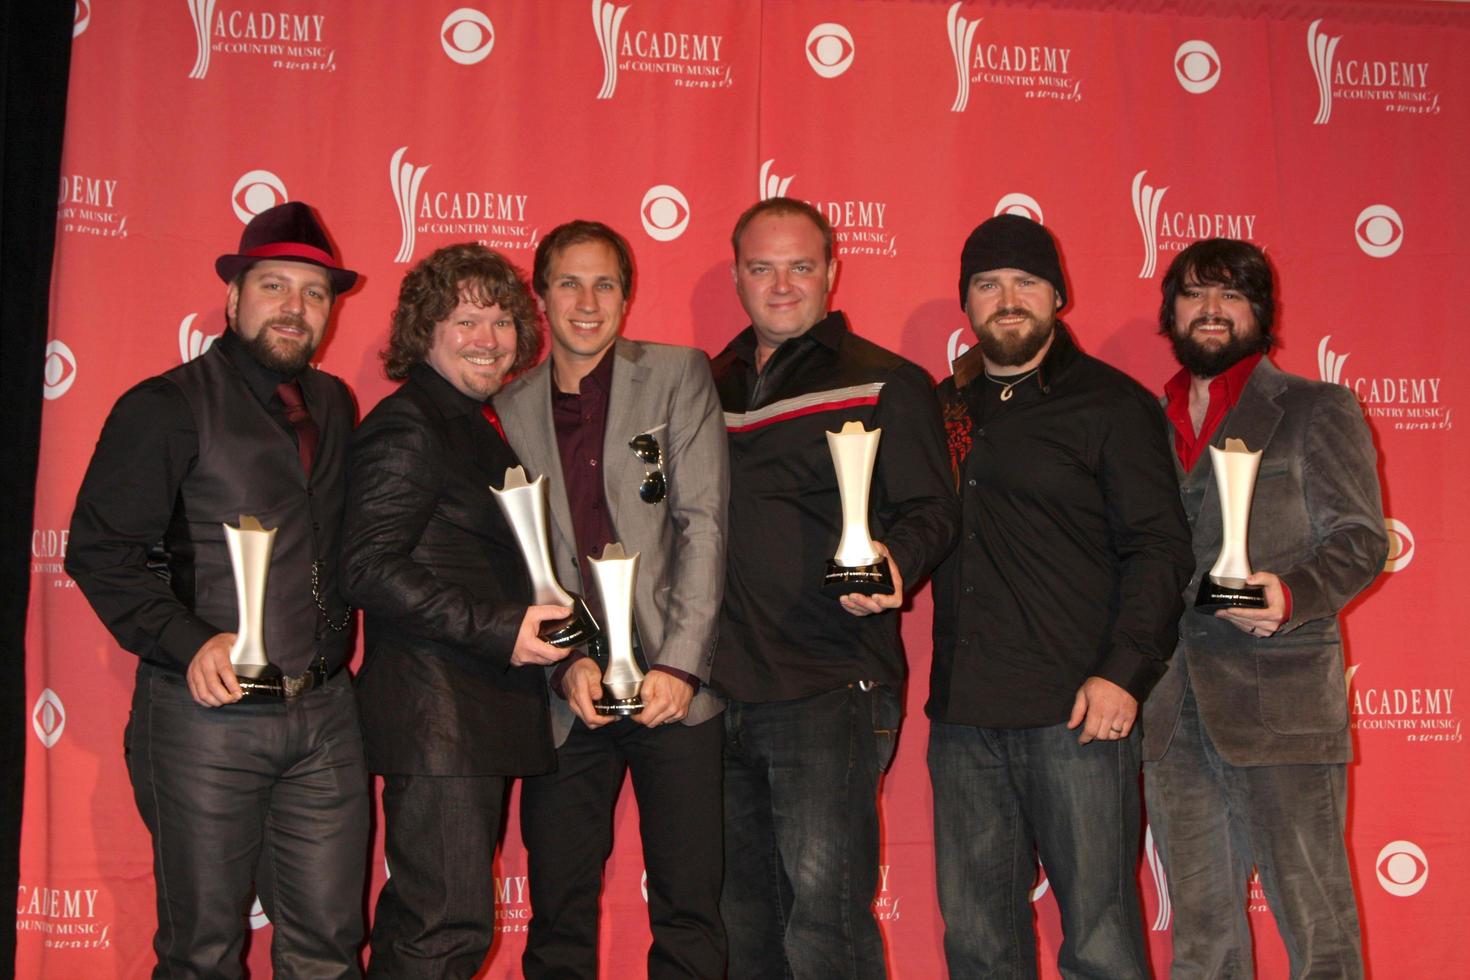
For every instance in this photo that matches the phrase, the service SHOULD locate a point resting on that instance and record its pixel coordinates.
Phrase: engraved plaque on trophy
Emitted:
(250, 559)
(524, 506)
(1224, 585)
(857, 566)
(616, 574)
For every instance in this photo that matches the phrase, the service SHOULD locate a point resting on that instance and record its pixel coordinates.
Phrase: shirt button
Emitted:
(969, 589)
(972, 536)
(592, 462)
(962, 642)
(972, 483)
(979, 432)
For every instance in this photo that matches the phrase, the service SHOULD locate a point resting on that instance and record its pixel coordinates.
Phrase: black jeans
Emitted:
(567, 826)
(274, 790)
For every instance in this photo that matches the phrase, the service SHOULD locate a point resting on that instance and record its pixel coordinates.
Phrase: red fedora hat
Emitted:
(288, 232)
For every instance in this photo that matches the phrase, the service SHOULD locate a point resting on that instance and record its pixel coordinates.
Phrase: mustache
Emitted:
(287, 320)
(1011, 311)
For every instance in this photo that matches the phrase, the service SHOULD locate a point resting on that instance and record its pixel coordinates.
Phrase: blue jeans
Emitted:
(1003, 797)
(1213, 821)
(801, 833)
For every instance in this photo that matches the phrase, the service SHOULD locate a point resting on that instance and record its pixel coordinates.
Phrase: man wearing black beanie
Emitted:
(1053, 618)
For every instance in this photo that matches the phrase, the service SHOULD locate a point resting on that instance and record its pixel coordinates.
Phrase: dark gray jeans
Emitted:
(1213, 821)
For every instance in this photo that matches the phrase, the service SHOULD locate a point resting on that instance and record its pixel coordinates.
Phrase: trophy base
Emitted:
(1228, 594)
(622, 707)
(260, 683)
(573, 631)
(841, 580)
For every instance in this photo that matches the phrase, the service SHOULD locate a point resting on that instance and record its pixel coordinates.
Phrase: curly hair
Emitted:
(434, 287)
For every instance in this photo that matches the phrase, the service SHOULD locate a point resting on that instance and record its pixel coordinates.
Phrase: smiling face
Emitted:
(1013, 314)
(280, 311)
(782, 276)
(1215, 327)
(584, 305)
(473, 348)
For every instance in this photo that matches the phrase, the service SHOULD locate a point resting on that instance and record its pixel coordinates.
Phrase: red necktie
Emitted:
(307, 434)
(493, 419)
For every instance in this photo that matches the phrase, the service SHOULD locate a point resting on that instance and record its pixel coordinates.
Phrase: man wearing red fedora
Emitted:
(267, 789)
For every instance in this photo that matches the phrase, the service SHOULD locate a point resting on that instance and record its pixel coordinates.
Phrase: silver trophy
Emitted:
(616, 573)
(524, 507)
(1224, 585)
(857, 566)
(250, 558)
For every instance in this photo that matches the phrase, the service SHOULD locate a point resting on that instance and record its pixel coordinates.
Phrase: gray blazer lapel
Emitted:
(622, 472)
(526, 414)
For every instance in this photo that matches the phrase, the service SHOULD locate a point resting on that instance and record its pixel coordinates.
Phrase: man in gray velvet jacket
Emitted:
(631, 439)
(1246, 737)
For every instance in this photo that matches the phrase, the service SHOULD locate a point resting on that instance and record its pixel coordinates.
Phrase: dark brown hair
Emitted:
(575, 233)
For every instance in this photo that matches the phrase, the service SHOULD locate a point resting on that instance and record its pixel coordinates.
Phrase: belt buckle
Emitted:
(294, 687)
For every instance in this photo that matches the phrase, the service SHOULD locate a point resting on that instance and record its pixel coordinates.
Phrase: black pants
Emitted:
(567, 821)
(276, 790)
(436, 915)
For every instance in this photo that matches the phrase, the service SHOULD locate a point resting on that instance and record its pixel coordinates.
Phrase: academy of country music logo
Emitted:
(48, 718)
(59, 371)
(1397, 84)
(1197, 66)
(89, 205)
(48, 556)
(1039, 71)
(467, 36)
(1420, 714)
(1165, 913)
(1402, 868)
(690, 60)
(830, 49)
(495, 218)
(512, 904)
(192, 340)
(1410, 403)
(81, 17)
(1174, 229)
(859, 226)
(887, 905)
(288, 41)
(64, 918)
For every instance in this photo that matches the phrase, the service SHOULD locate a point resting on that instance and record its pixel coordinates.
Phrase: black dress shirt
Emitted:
(780, 638)
(1074, 548)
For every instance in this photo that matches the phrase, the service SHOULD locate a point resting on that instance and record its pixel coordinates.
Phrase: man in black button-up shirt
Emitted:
(1053, 618)
(813, 682)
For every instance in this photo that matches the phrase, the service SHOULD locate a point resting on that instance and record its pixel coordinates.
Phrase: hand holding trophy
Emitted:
(250, 559)
(617, 573)
(857, 566)
(524, 506)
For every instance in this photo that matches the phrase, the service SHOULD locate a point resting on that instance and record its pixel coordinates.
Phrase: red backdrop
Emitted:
(1334, 134)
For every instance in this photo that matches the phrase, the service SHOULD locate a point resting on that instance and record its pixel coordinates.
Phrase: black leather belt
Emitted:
(315, 676)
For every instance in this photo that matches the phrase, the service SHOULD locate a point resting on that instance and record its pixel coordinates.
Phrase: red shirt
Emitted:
(1225, 389)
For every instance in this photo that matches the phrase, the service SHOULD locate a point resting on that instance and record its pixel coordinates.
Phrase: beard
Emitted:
(1207, 361)
(1014, 347)
(277, 355)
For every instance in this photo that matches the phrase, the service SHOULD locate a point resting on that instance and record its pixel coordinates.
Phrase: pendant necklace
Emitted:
(1007, 386)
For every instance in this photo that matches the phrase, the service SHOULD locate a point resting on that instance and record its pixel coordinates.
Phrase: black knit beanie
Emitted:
(1009, 241)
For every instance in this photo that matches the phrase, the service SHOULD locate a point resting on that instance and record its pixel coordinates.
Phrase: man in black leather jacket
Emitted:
(452, 692)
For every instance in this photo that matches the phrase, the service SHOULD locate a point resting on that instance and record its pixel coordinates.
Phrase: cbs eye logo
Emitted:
(1022, 204)
(60, 370)
(1197, 66)
(256, 191)
(81, 17)
(1379, 230)
(1400, 545)
(1402, 868)
(829, 50)
(665, 212)
(48, 718)
(467, 36)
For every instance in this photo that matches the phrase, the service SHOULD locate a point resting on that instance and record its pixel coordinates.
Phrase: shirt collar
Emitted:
(598, 381)
(261, 380)
(827, 331)
(1225, 386)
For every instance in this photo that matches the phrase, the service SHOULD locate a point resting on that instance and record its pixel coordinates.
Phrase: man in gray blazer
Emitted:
(1246, 737)
(631, 438)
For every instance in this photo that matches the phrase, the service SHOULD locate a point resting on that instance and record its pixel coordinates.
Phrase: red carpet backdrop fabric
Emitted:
(1333, 134)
